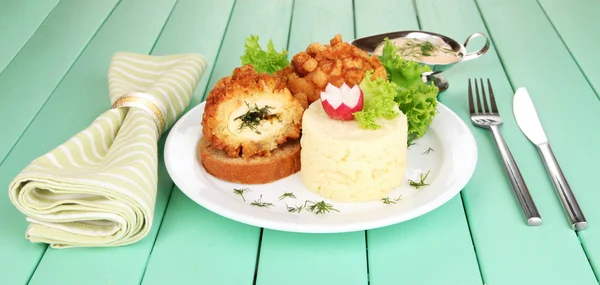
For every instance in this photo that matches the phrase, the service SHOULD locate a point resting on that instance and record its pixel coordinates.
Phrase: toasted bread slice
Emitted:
(283, 161)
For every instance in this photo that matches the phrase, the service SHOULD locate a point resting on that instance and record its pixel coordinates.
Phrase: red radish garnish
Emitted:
(341, 103)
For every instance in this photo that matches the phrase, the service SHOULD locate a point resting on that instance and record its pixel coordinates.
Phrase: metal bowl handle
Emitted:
(482, 51)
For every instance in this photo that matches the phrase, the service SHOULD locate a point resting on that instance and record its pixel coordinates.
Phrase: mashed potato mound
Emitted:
(344, 162)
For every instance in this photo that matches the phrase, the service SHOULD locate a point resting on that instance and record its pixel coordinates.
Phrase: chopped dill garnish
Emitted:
(388, 201)
(418, 48)
(427, 48)
(260, 203)
(420, 183)
(428, 151)
(252, 118)
(287, 195)
(319, 207)
(296, 209)
(241, 192)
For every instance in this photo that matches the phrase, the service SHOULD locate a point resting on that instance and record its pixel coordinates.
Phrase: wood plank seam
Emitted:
(366, 233)
(52, 93)
(169, 198)
(47, 99)
(36, 265)
(510, 81)
(589, 258)
(462, 201)
(257, 263)
(262, 230)
(59, 82)
(209, 72)
(570, 51)
(213, 65)
(367, 250)
(27, 41)
(477, 258)
(414, 2)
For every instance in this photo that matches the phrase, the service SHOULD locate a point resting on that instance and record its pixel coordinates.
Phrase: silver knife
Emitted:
(529, 123)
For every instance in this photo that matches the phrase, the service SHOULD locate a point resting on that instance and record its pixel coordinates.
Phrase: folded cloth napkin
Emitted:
(99, 187)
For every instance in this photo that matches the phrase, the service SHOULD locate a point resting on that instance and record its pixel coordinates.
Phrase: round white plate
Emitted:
(451, 162)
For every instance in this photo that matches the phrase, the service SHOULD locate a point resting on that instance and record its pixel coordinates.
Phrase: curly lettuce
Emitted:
(416, 99)
(419, 104)
(379, 101)
(268, 61)
(405, 73)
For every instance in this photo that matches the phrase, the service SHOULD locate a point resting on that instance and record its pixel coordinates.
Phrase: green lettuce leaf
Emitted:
(379, 101)
(419, 104)
(416, 99)
(264, 61)
(405, 73)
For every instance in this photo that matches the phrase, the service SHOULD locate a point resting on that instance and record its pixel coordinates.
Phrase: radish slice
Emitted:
(341, 103)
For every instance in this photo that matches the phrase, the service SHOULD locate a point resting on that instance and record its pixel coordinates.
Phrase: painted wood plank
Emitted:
(440, 239)
(32, 76)
(79, 99)
(577, 24)
(43, 61)
(510, 252)
(18, 22)
(295, 258)
(195, 245)
(557, 87)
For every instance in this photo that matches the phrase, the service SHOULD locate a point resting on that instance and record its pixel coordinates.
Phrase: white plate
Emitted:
(451, 164)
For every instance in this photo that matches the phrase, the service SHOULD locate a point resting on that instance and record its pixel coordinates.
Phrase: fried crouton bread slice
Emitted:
(283, 161)
(339, 62)
(250, 113)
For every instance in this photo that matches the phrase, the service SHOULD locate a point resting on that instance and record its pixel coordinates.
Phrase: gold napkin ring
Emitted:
(145, 102)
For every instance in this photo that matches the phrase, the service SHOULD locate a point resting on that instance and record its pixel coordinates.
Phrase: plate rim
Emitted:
(449, 192)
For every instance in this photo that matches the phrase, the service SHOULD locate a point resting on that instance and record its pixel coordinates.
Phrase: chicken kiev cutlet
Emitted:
(249, 114)
(337, 63)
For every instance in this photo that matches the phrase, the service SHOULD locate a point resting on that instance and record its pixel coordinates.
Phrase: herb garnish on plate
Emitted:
(420, 183)
(388, 200)
(260, 203)
(241, 192)
(319, 207)
(428, 150)
(296, 209)
(287, 195)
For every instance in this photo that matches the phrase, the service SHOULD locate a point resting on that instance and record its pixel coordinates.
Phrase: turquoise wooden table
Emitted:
(54, 56)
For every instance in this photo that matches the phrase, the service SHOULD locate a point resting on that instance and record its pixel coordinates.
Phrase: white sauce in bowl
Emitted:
(430, 51)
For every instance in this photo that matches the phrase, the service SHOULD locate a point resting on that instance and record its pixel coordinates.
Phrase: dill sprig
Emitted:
(287, 195)
(420, 183)
(260, 203)
(418, 48)
(319, 207)
(428, 151)
(241, 192)
(254, 115)
(296, 209)
(388, 200)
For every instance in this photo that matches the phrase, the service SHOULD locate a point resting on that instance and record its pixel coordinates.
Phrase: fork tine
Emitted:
(485, 104)
(471, 105)
(492, 99)
(480, 110)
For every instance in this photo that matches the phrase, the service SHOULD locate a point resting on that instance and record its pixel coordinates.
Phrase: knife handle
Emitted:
(576, 217)
(516, 180)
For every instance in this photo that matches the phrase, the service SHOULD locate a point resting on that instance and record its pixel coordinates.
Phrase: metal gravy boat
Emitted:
(370, 43)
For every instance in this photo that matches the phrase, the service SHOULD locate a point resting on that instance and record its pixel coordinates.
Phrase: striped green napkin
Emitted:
(99, 187)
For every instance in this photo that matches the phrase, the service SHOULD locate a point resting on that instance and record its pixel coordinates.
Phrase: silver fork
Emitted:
(484, 118)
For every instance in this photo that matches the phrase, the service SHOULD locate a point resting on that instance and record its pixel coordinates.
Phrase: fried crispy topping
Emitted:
(335, 63)
(249, 113)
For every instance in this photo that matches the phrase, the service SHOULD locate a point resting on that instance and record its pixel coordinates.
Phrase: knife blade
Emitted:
(529, 123)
